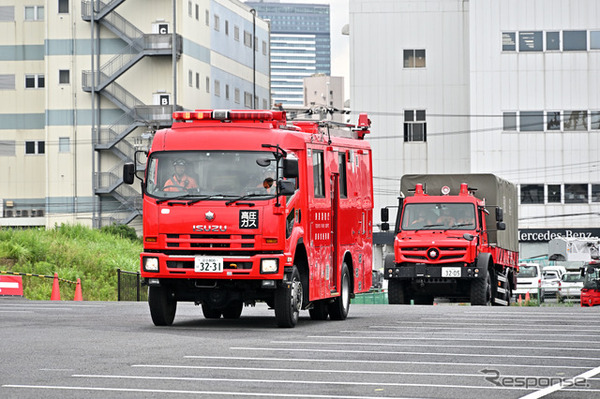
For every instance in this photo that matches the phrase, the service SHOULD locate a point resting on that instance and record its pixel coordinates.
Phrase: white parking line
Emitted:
(558, 387)
(483, 332)
(454, 339)
(313, 350)
(429, 345)
(397, 362)
(299, 382)
(178, 391)
(480, 324)
(529, 329)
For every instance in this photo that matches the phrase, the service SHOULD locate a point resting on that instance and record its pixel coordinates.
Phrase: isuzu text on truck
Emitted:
(242, 206)
(447, 242)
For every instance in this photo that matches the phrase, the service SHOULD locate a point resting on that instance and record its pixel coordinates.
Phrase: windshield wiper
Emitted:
(160, 201)
(243, 197)
(427, 226)
(459, 225)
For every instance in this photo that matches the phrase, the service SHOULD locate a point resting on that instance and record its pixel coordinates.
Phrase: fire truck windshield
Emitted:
(210, 174)
(423, 216)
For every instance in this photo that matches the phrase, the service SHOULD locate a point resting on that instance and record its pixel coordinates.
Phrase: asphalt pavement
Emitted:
(62, 349)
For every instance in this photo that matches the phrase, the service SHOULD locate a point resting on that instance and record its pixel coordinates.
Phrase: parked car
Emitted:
(529, 280)
(569, 286)
(560, 270)
(550, 280)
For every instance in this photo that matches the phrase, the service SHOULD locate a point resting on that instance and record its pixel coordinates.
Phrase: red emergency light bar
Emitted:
(227, 115)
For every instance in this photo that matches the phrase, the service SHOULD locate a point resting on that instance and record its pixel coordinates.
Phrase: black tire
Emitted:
(397, 294)
(288, 301)
(233, 310)
(339, 308)
(319, 310)
(481, 291)
(210, 312)
(162, 305)
(508, 293)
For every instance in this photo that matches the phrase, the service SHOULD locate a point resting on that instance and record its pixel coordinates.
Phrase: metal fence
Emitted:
(130, 286)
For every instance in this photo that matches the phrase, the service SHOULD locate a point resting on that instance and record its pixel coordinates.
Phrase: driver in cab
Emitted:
(180, 181)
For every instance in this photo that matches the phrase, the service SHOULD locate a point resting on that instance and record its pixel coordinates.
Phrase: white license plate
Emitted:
(450, 271)
(208, 264)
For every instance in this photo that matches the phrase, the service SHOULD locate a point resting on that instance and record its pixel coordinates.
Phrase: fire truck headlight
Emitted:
(269, 266)
(151, 264)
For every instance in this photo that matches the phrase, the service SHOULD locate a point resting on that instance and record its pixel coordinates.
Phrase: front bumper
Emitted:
(427, 271)
(174, 266)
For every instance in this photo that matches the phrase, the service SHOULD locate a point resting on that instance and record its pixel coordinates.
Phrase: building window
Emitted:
(265, 104)
(227, 27)
(64, 144)
(207, 84)
(197, 80)
(415, 127)
(217, 88)
(227, 92)
(34, 81)
(574, 40)
(7, 13)
(264, 47)
(236, 33)
(318, 174)
(509, 41)
(64, 76)
(576, 193)
(532, 121)
(414, 58)
(595, 120)
(217, 23)
(63, 6)
(509, 121)
(8, 148)
(197, 12)
(207, 17)
(595, 40)
(34, 13)
(530, 41)
(532, 193)
(247, 99)
(35, 147)
(554, 193)
(595, 192)
(553, 120)
(248, 39)
(190, 78)
(236, 96)
(7, 82)
(575, 120)
(552, 41)
(190, 9)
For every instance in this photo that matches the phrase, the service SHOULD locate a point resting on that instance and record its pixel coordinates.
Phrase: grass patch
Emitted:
(73, 252)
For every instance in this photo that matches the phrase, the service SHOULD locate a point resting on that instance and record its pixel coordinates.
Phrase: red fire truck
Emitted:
(243, 206)
(447, 244)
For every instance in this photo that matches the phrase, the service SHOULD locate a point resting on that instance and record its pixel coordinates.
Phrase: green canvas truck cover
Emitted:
(495, 190)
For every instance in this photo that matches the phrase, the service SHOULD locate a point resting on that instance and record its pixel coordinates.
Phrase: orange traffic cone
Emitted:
(78, 296)
(520, 301)
(527, 298)
(55, 289)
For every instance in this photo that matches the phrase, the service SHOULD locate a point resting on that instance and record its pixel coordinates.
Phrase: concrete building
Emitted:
(506, 87)
(325, 94)
(300, 46)
(82, 87)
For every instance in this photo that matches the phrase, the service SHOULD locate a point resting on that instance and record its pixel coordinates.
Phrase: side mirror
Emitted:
(499, 214)
(290, 168)
(128, 173)
(385, 226)
(590, 270)
(286, 187)
(501, 226)
(385, 214)
(468, 237)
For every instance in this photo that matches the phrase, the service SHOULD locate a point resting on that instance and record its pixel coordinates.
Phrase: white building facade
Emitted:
(84, 84)
(504, 87)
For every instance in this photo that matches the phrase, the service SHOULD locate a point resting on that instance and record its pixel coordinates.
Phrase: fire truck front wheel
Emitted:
(162, 305)
(210, 312)
(339, 308)
(288, 300)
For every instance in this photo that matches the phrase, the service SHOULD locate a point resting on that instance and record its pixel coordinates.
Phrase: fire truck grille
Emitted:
(176, 264)
(445, 253)
(210, 241)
